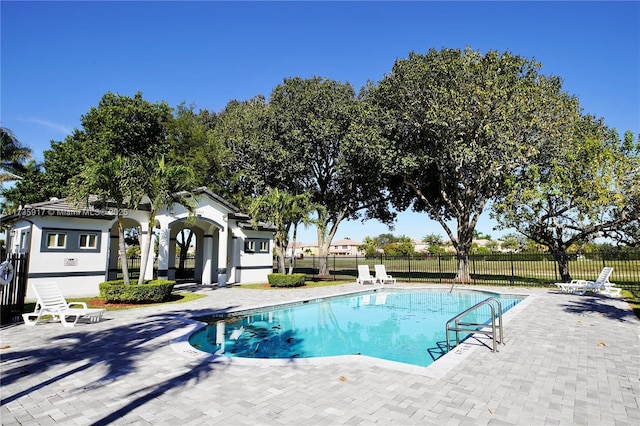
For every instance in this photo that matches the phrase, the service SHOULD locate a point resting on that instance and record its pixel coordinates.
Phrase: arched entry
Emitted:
(206, 239)
(113, 267)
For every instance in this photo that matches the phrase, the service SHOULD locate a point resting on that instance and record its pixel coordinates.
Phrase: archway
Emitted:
(201, 239)
(114, 269)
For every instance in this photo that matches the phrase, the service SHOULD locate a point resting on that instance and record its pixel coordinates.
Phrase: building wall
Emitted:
(77, 271)
(255, 255)
(224, 255)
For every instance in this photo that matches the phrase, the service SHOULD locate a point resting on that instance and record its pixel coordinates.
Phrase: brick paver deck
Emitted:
(568, 359)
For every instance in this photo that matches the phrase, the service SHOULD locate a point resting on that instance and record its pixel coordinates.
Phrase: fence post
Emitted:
(473, 264)
(439, 268)
(409, 262)
(334, 267)
(512, 269)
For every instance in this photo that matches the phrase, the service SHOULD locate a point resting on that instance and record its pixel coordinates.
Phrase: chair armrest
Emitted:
(83, 304)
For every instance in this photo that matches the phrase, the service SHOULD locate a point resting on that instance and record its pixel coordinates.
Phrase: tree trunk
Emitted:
(323, 252)
(123, 251)
(146, 249)
(281, 253)
(562, 258)
(184, 251)
(293, 249)
(463, 275)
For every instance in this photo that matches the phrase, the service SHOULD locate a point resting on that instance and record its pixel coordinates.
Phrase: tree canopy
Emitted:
(458, 124)
(447, 133)
(575, 189)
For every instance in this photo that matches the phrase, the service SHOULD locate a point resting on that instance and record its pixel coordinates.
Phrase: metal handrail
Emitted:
(476, 327)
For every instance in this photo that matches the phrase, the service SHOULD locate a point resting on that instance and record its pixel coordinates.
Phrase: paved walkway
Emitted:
(568, 359)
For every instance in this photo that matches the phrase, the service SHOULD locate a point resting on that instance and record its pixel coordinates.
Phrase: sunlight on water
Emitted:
(402, 326)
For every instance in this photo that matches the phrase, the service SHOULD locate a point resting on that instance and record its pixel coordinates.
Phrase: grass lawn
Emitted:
(633, 299)
(96, 302)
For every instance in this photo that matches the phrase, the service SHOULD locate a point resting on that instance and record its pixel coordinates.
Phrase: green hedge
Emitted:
(150, 291)
(284, 280)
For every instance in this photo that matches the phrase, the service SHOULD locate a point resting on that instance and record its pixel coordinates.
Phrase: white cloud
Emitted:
(59, 128)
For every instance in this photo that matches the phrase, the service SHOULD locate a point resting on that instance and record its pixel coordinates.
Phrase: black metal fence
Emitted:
(133, 266)
(13, 293)
(520, 269)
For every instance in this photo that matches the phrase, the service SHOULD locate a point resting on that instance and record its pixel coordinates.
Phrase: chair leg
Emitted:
(65, 323)
(27, 318)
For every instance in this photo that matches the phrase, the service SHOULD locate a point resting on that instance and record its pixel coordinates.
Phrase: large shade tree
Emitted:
(457, 125)
(327, 135)
(192, 144)
(255, 163)
(583, 186)
(117, 125)
(312, 137)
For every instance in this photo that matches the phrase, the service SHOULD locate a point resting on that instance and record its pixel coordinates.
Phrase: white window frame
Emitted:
(89, 238)
(57, 237)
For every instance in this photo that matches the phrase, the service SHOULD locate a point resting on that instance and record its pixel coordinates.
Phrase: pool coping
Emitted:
(179, 339)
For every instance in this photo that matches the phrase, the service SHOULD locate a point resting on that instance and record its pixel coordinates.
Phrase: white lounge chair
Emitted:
(610, 289)
(602, 285)
(382, 276)
(52, 302)
(364, 276)
(582, 286)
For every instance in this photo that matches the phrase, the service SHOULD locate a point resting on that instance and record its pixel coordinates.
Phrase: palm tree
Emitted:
(13, 155)
(301, 208)
(118, 184)
(282, 210)
(165, 186)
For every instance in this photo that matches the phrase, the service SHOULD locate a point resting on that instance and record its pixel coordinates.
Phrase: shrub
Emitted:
(284, 280)
(150, 291)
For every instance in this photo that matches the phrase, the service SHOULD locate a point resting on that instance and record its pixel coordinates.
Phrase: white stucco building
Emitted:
(78, 248)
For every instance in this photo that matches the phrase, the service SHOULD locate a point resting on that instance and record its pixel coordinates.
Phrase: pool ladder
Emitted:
(454, 324)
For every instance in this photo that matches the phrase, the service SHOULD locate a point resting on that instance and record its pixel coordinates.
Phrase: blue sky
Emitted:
(59, 58)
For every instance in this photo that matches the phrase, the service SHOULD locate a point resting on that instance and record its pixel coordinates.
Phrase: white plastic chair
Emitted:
(52, 302)
(364, 276)
(582, 286)
(382, 276)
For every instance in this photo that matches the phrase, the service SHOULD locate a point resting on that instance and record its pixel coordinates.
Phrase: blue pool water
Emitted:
(402, 326)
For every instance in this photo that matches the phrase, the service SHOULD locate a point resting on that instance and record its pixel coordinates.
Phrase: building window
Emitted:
(56, 240)
(24, 240)
(70, 240)
(256, 245)
(88, 241)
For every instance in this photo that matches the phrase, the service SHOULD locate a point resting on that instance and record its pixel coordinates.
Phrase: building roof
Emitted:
(346, 243)
(60, 207)
(63, 207)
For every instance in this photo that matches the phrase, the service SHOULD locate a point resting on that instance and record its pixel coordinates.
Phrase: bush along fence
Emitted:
(513, 269)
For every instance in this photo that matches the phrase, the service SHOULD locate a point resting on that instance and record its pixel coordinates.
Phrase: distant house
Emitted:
(295, 249)
(337, 248)
(345, 248)
(420, 246)
(78, 248)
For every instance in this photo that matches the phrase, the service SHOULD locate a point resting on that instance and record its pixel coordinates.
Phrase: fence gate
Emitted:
(14, 292)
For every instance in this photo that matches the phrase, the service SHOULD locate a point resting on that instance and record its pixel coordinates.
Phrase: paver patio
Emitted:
(568, 359)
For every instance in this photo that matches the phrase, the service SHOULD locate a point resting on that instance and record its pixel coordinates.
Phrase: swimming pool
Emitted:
(401, 326)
